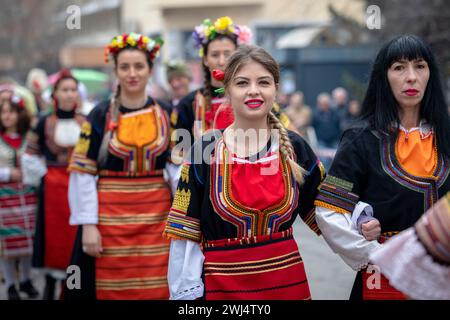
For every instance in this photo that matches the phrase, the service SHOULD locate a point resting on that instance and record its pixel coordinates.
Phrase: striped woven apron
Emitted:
(132, 216)
(256, 268)
(18, 205)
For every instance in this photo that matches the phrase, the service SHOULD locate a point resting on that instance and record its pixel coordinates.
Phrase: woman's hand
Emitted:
(92, 240)
(371, 230)
(16, 175)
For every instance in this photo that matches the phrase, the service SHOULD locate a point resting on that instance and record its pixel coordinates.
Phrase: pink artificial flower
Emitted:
(245, 34)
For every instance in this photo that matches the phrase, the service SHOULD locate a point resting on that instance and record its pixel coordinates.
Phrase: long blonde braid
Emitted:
(286, 148)
(114, 118)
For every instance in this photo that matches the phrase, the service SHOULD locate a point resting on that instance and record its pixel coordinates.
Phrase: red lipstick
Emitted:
(411, 92)
(254, 103)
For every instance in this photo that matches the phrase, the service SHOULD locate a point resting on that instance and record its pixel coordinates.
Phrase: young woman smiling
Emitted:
(231, 219)
(125, 144)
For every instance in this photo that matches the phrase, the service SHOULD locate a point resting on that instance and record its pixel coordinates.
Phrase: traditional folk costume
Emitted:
(396, 179)
(54, 138)
(129, 203)
(234, 221)
(18, 202)
(417, 261)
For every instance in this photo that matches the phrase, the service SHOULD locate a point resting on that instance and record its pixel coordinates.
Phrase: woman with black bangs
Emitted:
(391, 166)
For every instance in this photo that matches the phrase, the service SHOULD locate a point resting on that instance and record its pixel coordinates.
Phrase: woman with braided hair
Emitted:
(125, 144)
(202, 109)
(231, 219)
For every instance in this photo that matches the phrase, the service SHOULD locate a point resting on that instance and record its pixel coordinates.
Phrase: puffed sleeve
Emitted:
(337, 199)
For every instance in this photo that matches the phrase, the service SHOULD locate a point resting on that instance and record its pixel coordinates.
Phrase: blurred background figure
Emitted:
(340, 99)
(49, 147)
(37, 83)
(17, 201)
(6, 92)
(326, 122)
(351, 114)
(179, 78)
(300, 115)
(9, 88)
(283, 99)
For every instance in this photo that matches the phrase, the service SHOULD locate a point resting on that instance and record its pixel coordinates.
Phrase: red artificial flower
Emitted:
(219, 75)
(112, 126)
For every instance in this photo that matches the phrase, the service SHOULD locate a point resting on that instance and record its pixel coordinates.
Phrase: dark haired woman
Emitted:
(393, 165)
(125, 143)
(17, 201)
(54, 138)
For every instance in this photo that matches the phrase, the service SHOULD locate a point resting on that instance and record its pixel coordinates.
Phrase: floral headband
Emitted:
(133, 40)
(15, 98)
(18, 100)
(207, 31)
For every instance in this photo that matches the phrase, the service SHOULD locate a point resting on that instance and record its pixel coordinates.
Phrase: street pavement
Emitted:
(329, 277)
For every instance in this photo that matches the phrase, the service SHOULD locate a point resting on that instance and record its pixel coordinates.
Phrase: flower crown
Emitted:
(18, 100)
(15, 97)
(133, 40)
(207, 31)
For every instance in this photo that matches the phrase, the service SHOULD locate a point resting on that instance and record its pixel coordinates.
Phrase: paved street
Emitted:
(329, 277)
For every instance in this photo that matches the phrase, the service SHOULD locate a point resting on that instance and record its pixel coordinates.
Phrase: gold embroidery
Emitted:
(86, 129)
(322, 171)
(185, 174)
(82, 146)
(182, 200)
(174, 117)
(84, 141)
(335, 181)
